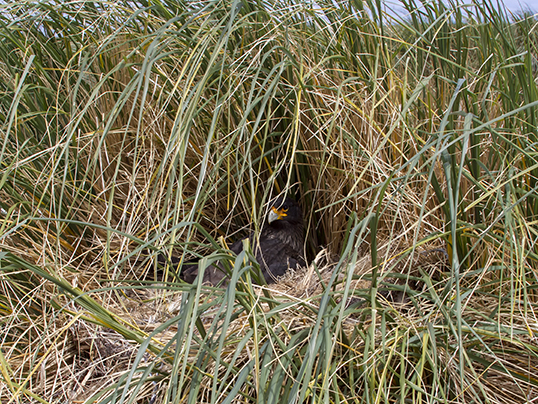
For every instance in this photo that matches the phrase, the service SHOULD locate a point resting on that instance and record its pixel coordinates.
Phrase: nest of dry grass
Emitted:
(99, 357)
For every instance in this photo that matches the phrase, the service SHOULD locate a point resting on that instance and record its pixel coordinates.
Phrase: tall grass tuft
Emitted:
(129, 130)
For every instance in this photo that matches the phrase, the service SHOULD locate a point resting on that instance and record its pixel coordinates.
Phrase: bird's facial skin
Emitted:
(277, 214)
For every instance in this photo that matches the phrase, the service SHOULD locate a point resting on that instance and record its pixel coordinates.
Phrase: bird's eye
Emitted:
(285, 208)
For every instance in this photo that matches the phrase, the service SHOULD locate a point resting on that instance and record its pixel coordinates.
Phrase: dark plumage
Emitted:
(278, 248)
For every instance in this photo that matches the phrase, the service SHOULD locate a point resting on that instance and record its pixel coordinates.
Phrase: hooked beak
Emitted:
(276, 214)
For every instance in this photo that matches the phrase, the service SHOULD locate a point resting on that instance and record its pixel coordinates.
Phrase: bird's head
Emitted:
(284, 209)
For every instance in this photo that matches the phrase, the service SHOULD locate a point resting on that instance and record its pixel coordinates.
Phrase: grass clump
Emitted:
(133, 129)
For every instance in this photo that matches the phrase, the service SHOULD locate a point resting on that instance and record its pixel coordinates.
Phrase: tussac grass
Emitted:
(410, 143)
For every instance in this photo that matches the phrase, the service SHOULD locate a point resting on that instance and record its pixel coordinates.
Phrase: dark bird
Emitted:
(278, 247)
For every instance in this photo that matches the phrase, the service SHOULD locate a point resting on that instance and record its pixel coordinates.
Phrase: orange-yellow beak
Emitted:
(276, 214)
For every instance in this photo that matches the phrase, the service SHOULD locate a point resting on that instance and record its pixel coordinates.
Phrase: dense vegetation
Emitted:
(132, 129)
